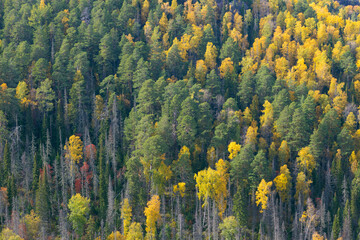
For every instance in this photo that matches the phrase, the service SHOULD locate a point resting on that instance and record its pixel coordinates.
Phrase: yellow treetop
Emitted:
(350, 123)
(251, 135)
(301, 74)
(22, 93)
(145, 10)
(22, 90)
(200, 71)
(354, 164)
(281, 67)
(163, 23)
(115, 235)
(42, 4)
(302, 186)
(233, 149)
(74, 149)
(284, 152)
(212, 184)
(135, 232)
(247, 116)
(226, 22)
(262, 194)
(268, 115)
(210, 55)
(322, 68)
(174, 5)
(165, 171)
(283, 183)
(197, 33)
(126, 214)
(184, 151)
(227, 66)
(32, 224)
(3, 87)
(185, 46)
(340, 99)
(8, 234)
(152, 214)
(306, 160)
(180, 187)
(238, 22)
(317, 236)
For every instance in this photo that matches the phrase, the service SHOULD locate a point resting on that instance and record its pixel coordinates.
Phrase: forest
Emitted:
(173, 119)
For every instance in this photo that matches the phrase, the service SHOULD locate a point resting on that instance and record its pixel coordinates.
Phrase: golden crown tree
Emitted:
(212, 184)
(126, 214)
(74, 149)
(262, 194)
(152, 213)
(283, 183)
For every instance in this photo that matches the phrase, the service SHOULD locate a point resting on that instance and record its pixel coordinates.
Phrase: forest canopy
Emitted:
(155, 119)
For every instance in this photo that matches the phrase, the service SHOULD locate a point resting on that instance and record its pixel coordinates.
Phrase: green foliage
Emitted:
(158, 91)
(229, 228)
(79, 208)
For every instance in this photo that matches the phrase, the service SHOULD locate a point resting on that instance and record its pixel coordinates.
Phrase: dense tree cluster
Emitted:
(154, 119)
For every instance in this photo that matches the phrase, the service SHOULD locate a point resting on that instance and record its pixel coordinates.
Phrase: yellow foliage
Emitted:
(3, 86)
(281, 67)
(197, 35)
(185, 45)
(227, 66)
(210, 55)
(226, 22)
(42, 4)
(283, 183)
(357, 89)
(306, 160)
(340, 102)
(184, 151)
(147, 30)
(22, 90)
(301, 72)
(115, 235)
(163, 23)
(284, 152)
(317, 236)
(258, 48)
(262, 194)
(135, 232)
(152, 214)
(302, 186)
(200, 71)
(74, 149)
(251, 135)
(126, 214)
(8, 234)
(247, 116)
(174, 5)
(267, 118)
(350, 123)
(233, 149)
(212, 184)
(145, 10)
(165, 171)
(354, 164)
(322, 68)
(180, 187)
(238, 22)
(307, 50)
(32, 223)
(322, 35)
